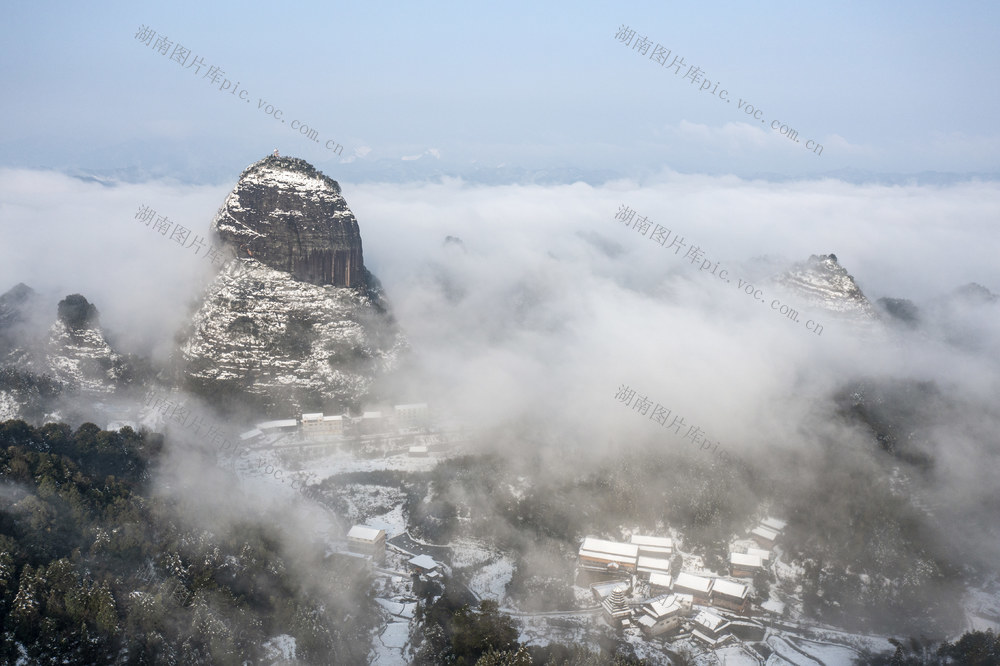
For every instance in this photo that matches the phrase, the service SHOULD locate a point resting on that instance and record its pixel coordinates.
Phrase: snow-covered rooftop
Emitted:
(654, 541)
(663, 606)
(775, 524)
(365, 533)
(765, 533)
(600, 547)
(729, 588)
(661, 579)
(710, 621)
(653, 563)
(424, 562)
(282, 423)
(693, 582)
(746, 560)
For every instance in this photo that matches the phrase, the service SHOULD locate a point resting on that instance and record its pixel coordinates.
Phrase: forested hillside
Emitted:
(95, 569)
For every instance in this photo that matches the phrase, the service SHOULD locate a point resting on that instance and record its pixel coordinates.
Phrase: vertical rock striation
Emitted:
(292, 218)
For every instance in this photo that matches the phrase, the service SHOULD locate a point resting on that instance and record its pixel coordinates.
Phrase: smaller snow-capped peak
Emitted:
(77, 354)
(823, 282)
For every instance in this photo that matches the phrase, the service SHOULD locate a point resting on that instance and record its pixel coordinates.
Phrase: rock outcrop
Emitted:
(290, 217)
(295, 323)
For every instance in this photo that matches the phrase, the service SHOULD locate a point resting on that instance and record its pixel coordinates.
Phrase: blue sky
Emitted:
(886, 87)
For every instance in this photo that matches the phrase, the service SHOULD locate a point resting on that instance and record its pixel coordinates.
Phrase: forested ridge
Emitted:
(96, 570)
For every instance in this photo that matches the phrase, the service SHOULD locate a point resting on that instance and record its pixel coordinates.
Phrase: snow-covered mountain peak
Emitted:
(289, 216)
(823, 282)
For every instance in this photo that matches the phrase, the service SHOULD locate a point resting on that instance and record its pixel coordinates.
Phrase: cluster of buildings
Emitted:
(749, 561)
(679, 595)
(369, 542)
(325, 428)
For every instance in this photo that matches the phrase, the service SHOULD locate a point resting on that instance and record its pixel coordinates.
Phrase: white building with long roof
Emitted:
(600, 555)
(653, 546)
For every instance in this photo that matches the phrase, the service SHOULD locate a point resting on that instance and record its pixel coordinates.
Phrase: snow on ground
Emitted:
(773, 605)
(341, 462)
(398, 608)
(650, 650)
(280, 649)
(389, 643)
(365, 501)
(490, 581)
(736, 655)
(785, 652)
(692, 563)
(831, 655)
(982, 607)
(875, 644)
(578, 630)
(979, 623)
(10, 408)
(393, 522)
(584, 597)
(470, 552)
(785, 571)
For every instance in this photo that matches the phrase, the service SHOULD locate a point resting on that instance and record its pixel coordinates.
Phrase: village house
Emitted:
(367, 541)
(663, 614)
(710, 629)
(660, 582)
(608, 556)
(731, 596)
(418, 452)
(764, 536)
(698, 587)
(744, 565)
(764, 555)
(319, 428)
(653, 546)
(647, 566)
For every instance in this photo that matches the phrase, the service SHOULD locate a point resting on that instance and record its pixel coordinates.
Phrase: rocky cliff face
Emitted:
(295, 323)
(290, 217)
